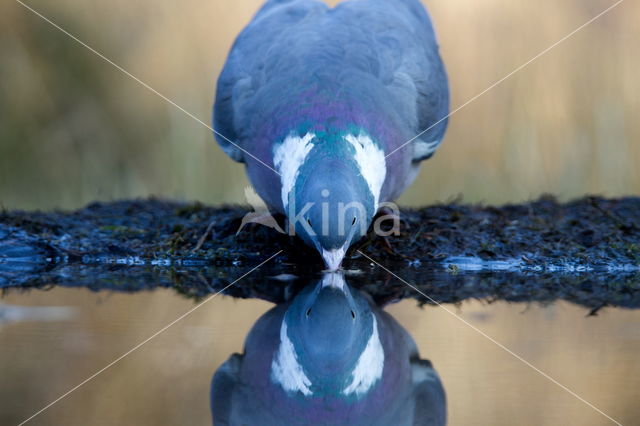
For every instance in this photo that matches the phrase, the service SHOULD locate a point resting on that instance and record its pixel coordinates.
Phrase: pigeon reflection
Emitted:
(329, 356)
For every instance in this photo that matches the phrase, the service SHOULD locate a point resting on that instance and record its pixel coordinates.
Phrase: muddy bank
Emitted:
(587, 251)
(591, 231)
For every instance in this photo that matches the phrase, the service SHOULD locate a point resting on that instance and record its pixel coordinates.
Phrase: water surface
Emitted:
(53, 337)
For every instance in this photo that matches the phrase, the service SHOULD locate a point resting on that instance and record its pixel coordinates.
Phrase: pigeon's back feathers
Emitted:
(377, 55)
(243, 75)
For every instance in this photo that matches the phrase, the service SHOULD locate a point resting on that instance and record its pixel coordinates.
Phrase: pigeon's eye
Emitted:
(353, 315)
(308, 313)
(353, 222)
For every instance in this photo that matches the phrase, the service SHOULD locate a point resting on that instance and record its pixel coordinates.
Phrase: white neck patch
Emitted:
(369, 367)
(371, 162)
(285, 368)
(288, 157)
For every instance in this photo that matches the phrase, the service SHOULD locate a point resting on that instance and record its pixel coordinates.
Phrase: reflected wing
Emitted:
(430, 399)
(222, 388)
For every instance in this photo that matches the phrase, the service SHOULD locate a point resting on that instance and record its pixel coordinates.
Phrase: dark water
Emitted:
(364, 347)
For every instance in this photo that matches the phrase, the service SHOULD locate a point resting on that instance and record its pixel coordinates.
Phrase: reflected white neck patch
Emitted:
(369, 367)
(285, 368)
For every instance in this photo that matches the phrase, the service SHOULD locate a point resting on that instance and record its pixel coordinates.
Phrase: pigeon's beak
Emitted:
(333, 258)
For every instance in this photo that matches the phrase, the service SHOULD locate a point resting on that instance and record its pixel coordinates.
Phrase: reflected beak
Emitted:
(333, 258)
(334, 280)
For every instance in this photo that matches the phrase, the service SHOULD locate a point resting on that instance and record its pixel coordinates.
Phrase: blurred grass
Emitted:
(74, 129)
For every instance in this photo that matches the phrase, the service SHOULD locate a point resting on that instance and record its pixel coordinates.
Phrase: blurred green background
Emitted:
(74, 129)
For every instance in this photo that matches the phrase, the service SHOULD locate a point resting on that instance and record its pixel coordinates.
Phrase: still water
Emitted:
(340, 359)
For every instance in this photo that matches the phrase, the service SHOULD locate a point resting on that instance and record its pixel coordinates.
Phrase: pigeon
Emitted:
(332, 110)
(330, 356)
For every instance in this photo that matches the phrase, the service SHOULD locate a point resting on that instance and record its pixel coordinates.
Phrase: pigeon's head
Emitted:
(333, 209)
(329, 342)
(333, 194)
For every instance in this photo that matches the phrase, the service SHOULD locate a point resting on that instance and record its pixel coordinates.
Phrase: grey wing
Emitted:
(242, 75)
(430, 79)
(222, 388)
(415, 73)
(430, 400)
(423, 71)
(432, 106)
